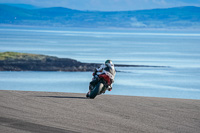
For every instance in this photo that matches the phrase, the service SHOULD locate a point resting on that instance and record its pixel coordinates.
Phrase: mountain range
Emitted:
(178, 17)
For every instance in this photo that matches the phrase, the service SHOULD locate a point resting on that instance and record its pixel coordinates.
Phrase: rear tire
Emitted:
(96, 90)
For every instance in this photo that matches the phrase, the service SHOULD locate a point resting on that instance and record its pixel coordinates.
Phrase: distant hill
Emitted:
(12, 61)
(179, 17)
(26, 6)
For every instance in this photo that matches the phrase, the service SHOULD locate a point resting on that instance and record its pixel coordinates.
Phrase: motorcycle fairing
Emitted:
(105, 78)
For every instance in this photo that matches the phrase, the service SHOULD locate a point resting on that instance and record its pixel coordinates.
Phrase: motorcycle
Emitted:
(102, 84)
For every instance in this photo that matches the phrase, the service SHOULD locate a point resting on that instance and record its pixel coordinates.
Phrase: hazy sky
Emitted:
(107, 5)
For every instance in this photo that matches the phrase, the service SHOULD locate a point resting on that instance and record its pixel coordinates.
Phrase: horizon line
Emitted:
(39, 7)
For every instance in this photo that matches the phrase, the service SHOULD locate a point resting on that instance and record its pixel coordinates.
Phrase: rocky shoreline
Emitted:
(10, 61)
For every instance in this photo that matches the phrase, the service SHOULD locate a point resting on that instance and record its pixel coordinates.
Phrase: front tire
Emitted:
(96, 90)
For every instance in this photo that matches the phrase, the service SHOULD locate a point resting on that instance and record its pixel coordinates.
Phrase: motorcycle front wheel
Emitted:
(97, 89)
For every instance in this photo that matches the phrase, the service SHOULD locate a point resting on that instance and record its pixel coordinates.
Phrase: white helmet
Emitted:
(109, 63)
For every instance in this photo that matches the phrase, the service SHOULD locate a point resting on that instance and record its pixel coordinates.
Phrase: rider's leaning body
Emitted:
(108, 69)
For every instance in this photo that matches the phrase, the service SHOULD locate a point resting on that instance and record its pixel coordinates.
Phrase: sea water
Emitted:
(177, 51)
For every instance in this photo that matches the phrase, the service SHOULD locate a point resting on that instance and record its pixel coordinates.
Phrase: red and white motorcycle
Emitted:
(103, 83)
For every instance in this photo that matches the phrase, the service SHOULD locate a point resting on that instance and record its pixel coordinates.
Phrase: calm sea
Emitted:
(179, 50)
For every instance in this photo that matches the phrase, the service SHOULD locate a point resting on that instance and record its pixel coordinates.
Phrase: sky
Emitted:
(107, 5)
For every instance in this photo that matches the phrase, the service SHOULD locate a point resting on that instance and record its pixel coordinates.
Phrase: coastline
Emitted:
(14, 61)
(29, 111)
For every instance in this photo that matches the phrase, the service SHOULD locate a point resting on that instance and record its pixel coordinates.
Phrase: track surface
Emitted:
(50, 112)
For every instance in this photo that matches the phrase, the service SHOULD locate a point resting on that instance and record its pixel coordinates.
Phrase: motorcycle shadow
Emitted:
(70, 97)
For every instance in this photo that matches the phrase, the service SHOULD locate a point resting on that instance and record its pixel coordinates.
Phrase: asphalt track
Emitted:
(51, 112)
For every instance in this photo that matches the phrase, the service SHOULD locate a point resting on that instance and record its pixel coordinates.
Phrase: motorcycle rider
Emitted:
(106, 68)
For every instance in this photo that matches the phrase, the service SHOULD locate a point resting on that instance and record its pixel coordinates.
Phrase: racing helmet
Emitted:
(109, 63)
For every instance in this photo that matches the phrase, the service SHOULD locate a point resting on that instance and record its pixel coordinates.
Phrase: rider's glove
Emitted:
(95, 72)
